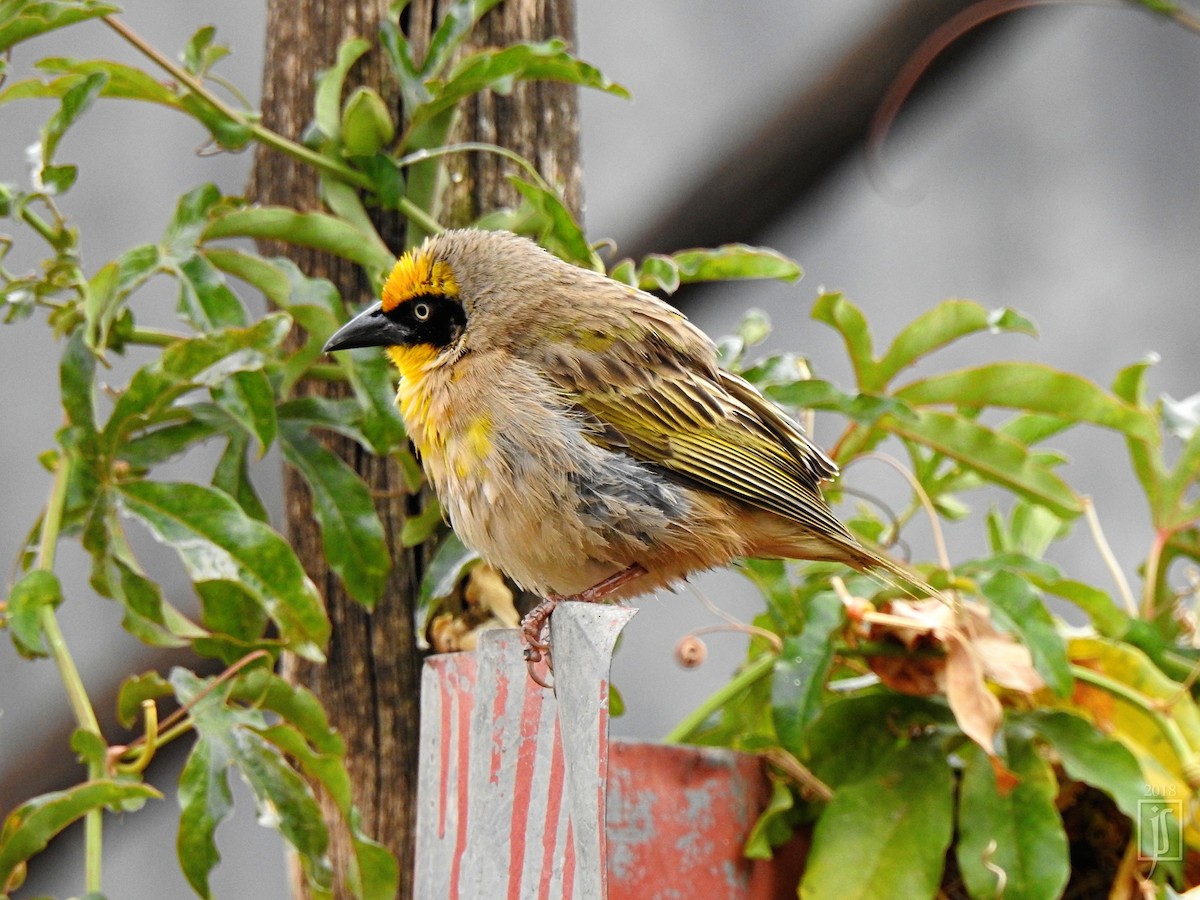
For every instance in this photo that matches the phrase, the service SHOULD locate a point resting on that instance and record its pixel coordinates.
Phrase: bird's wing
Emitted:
(656, 392)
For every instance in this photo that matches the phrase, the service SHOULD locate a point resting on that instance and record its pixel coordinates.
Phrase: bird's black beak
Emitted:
(370, 328)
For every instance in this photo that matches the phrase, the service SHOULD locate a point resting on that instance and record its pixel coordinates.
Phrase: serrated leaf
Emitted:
(885, 835)
(28, 828)
(1017, 831)
(217, 541)
(996, 458)
(1018, 609)
(351, 532)
(798, 683)
(22, 20)
(35, 591)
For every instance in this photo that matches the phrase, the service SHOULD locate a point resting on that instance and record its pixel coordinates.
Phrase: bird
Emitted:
(580, 433)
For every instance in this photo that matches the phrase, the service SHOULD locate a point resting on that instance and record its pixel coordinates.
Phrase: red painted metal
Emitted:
(522, 795)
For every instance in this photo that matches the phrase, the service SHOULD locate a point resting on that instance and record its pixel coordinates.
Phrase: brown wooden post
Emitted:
(371, 680)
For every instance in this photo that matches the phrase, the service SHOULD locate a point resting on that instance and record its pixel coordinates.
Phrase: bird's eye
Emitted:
(421, 311)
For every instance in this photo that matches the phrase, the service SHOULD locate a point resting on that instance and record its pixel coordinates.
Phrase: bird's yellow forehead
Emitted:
(418, 274)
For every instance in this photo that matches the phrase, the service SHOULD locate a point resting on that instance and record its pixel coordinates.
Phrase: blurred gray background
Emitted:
(1054, 169)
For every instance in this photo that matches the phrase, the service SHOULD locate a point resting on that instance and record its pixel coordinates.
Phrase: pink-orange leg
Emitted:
(535, 627)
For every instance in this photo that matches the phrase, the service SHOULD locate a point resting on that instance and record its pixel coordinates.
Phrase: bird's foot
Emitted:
(535, 627)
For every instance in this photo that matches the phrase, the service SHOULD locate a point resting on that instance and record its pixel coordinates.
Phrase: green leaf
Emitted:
(1019, 831)
(457, 23)
(885, 835)
(231, 736)
(351, 532)
(773, 826)
(232, 476)
(798, 685)
(217, 541)
(995, 457)
(28, 829)
(1107, 618)
(35, 591)
(733, 262)
(1090, 756)
(501, 69)
(134, 691)
(204, 361)
(554, 226)
(75, 101)
(320, 752)
(20, 21)
(421, 527)
(327, 102)
(315, 230)
(373, 380)
(814, 393)
(1035, 388)
(192, 212)
(205, 801)
(200, 53)
(171, 439)
(839, 313)
(452, 560)
(367, 126)
(266, 275)
(249, 399)
(77, 373)
(1018, 609)
(942, 325)
(205, 300)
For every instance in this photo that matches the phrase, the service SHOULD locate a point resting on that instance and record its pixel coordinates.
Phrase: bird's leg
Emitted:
(535, 625)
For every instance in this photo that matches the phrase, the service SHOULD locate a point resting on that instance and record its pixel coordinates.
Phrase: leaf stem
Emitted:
(81, 705)
(260, 132)
(692, 722)
(1114, 568)
(154, 337)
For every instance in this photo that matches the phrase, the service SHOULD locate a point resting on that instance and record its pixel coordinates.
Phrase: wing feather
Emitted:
(655, 391)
